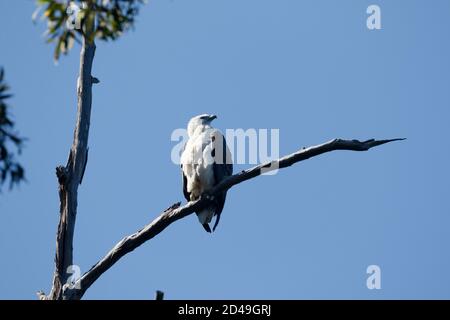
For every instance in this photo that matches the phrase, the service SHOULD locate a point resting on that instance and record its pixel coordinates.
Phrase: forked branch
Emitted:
(176, 211)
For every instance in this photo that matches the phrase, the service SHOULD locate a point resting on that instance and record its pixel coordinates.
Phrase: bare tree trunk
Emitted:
(71, 175)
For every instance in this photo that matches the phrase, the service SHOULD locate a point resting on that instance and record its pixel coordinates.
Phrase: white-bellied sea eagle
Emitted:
(205, 161)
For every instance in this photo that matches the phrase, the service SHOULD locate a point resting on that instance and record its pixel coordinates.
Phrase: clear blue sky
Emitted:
(311, 69)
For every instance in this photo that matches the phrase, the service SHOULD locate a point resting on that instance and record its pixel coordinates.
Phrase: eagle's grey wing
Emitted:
(222, 170)
(187, 195)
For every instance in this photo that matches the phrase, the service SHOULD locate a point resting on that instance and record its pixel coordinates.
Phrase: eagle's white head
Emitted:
(200, 122)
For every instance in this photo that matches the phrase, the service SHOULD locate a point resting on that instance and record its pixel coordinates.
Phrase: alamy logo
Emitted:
(74, 15)
(251, 146)
(75, 272)
(374, 20)
(374, 279)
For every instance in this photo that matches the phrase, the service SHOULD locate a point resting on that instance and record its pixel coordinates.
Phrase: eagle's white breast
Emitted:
(204, 160)
(198, 163)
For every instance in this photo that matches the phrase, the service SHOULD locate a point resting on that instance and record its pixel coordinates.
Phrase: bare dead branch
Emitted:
(71, 175)
(176, 212)
(159, 295)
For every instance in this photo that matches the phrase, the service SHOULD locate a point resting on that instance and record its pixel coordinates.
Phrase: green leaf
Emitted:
(9, 167)
(5, 96)
(113, 18)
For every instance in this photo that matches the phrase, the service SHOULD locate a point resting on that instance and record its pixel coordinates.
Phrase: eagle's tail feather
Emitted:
(207, 228)
(217, 222)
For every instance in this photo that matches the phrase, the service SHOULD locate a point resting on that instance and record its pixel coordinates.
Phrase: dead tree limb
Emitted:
(71, 175)
(176, 212)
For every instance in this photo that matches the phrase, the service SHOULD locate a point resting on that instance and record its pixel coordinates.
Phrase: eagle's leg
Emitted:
(208, 196)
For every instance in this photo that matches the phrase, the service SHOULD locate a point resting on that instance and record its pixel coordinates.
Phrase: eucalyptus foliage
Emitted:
(10, 141)
(66, 20)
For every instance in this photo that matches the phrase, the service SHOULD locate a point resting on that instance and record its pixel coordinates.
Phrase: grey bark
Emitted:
(176, 212)
(71, 175)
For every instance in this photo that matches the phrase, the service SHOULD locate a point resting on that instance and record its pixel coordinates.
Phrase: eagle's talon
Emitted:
(208, 196)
